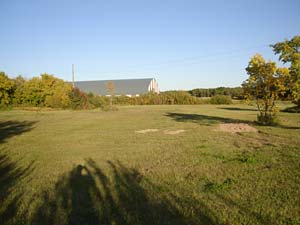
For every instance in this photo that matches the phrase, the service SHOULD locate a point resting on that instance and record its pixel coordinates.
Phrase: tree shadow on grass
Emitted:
(293, 109)
(9, 129)
(203, 119)
(10, 175)
(88, 196)
(211, 120)
(238, 109)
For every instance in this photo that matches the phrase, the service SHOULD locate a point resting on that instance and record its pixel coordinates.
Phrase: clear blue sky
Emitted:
(183, 44)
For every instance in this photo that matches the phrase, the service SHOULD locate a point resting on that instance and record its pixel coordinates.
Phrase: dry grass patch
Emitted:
(236, 127)
(172, 132)
(146, 131)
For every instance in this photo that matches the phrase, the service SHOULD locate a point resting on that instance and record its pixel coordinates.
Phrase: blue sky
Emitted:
(183, 44)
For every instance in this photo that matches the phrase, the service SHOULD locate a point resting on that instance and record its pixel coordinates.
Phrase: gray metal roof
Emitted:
(122, 87)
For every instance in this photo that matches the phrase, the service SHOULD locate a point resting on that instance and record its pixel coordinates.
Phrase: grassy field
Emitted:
(92, 167)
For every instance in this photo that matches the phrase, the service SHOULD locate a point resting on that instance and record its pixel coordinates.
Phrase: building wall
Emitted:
(153, 86)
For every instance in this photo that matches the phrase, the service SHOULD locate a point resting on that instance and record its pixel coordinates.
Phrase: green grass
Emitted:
(91, 167)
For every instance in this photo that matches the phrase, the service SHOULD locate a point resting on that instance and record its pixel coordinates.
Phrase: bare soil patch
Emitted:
(174, 131)
(236, 127)
(145, 131)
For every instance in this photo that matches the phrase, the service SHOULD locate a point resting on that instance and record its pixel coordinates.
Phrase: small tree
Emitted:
(264, 85)
(110, 87)
(289, 52)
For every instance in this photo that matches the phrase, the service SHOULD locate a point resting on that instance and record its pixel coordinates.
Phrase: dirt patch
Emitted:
(174, 131)
(146, 131)
(236, 127)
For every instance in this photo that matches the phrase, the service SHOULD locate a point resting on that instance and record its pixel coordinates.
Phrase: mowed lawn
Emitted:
(93, 167)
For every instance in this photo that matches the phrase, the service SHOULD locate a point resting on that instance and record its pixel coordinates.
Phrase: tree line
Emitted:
(49, 91)
(234, 92)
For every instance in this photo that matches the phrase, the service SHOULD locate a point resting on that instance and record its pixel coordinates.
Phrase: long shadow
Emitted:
(88, 196)
(211, 120)
(10, 175)
(203, 119)
(238, 109)
(9, 129)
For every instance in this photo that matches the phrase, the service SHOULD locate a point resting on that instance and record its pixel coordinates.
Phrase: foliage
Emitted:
(79, 99)
(167, 98)
(264, 85)
(235, 93)
(163, 98)
(45, 90)
(289, 52)
(6, 89)
(220, 100)
(57, 91)
(97, 101)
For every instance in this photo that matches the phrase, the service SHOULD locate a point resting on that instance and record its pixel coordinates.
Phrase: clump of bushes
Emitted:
(220, 100)
(164, 98)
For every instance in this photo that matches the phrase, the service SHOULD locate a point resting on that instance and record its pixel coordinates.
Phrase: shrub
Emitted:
(220, 100)
(79, 100)
(97, 101)
(267, 119)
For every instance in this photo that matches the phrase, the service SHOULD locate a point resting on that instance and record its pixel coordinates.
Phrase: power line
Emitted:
(196, 59)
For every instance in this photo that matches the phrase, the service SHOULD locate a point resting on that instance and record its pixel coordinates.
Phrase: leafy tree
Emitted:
(45, 90)
(264, 85)
(56, 91)
(19, 84)
(6, 89)
(289, 52)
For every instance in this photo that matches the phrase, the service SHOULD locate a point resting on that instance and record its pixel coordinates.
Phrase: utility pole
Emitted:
(73, 75)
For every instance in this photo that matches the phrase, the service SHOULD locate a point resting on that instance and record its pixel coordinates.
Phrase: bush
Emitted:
(220, 100)
(97, 101)
(164, 98)
(267, 119)
(78, 99)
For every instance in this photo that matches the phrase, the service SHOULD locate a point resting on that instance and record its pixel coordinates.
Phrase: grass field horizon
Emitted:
(94, 167)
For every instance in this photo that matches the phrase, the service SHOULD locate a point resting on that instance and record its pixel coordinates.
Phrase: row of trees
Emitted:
(43, 91)
(164, 98)
(267, 82)
(234, 93)
(49, 91)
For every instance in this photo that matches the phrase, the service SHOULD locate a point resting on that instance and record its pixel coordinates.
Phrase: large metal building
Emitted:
(128, 87)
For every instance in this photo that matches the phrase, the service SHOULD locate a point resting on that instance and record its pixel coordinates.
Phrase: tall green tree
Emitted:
(6, 89)
(289, 52)
(264, 86)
